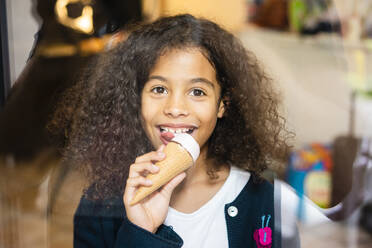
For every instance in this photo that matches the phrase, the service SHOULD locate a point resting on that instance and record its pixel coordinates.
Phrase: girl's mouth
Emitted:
(167, 133)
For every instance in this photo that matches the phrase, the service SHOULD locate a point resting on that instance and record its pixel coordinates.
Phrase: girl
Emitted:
(178, 74)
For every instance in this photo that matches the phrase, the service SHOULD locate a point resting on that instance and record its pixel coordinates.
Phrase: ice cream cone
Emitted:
(178, 159)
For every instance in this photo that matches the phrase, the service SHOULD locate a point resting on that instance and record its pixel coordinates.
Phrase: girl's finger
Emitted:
(161, 148)
(152, 156)
(137, 169)
(132, 185)
(141, 165)
(138, 181)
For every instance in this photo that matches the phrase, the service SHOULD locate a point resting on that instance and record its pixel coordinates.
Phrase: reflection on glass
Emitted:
(319, 54)
(82, 23)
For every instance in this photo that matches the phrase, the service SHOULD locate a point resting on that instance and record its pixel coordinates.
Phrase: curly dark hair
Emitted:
(107, 134)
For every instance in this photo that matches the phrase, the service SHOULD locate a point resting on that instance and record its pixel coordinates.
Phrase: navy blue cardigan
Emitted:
(105, 225)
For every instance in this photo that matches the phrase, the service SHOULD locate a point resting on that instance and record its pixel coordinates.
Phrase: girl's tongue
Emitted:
(168, 136)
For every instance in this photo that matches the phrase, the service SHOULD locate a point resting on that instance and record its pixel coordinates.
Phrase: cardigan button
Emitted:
(232, 211)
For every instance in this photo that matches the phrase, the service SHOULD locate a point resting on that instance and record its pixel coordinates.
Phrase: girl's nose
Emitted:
(176, 107)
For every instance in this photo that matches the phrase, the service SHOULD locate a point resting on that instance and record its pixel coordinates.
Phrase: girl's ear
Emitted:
(221, 109)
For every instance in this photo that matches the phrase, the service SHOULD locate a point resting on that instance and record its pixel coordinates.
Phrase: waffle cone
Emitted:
(177, 160)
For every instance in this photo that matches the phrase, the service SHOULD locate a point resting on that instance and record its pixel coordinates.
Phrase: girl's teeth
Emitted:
(175, 131)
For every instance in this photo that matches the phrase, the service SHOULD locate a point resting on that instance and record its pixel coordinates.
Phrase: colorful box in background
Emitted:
(309, 173)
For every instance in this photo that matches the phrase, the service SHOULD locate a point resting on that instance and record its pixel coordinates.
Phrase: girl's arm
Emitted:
(99, 226)
(115, 232)
(131, 235)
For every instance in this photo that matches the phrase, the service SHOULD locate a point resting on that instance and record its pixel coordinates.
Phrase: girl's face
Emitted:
(181, 95)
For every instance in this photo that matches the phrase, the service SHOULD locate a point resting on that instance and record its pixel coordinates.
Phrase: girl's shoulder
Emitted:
(109, 207)
(248, 186)
(243, 176)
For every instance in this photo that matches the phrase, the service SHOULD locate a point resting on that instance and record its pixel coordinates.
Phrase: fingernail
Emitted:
(156, 168)
(148, 181)
(161, 154)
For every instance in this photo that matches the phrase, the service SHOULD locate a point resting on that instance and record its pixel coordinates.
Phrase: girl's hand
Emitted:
(151, 212)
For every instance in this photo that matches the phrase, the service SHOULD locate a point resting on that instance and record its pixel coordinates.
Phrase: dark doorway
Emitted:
(4, 55)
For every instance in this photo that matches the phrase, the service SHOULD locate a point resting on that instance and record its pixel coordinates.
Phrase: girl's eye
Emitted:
(159, 90)
(197, 92)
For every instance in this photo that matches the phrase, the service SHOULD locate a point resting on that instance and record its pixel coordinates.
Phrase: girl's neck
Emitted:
(198, 187)
(197, 174)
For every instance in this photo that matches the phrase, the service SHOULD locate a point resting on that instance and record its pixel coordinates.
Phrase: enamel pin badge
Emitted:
(263, 236)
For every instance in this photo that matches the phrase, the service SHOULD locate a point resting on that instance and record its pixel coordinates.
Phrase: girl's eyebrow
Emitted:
(194, 80)
(203, 80)
(158, 78)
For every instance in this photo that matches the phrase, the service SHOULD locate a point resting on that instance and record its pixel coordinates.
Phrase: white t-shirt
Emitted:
(206, 227)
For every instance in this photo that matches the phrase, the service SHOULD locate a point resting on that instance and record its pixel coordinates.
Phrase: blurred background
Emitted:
(319, 53)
